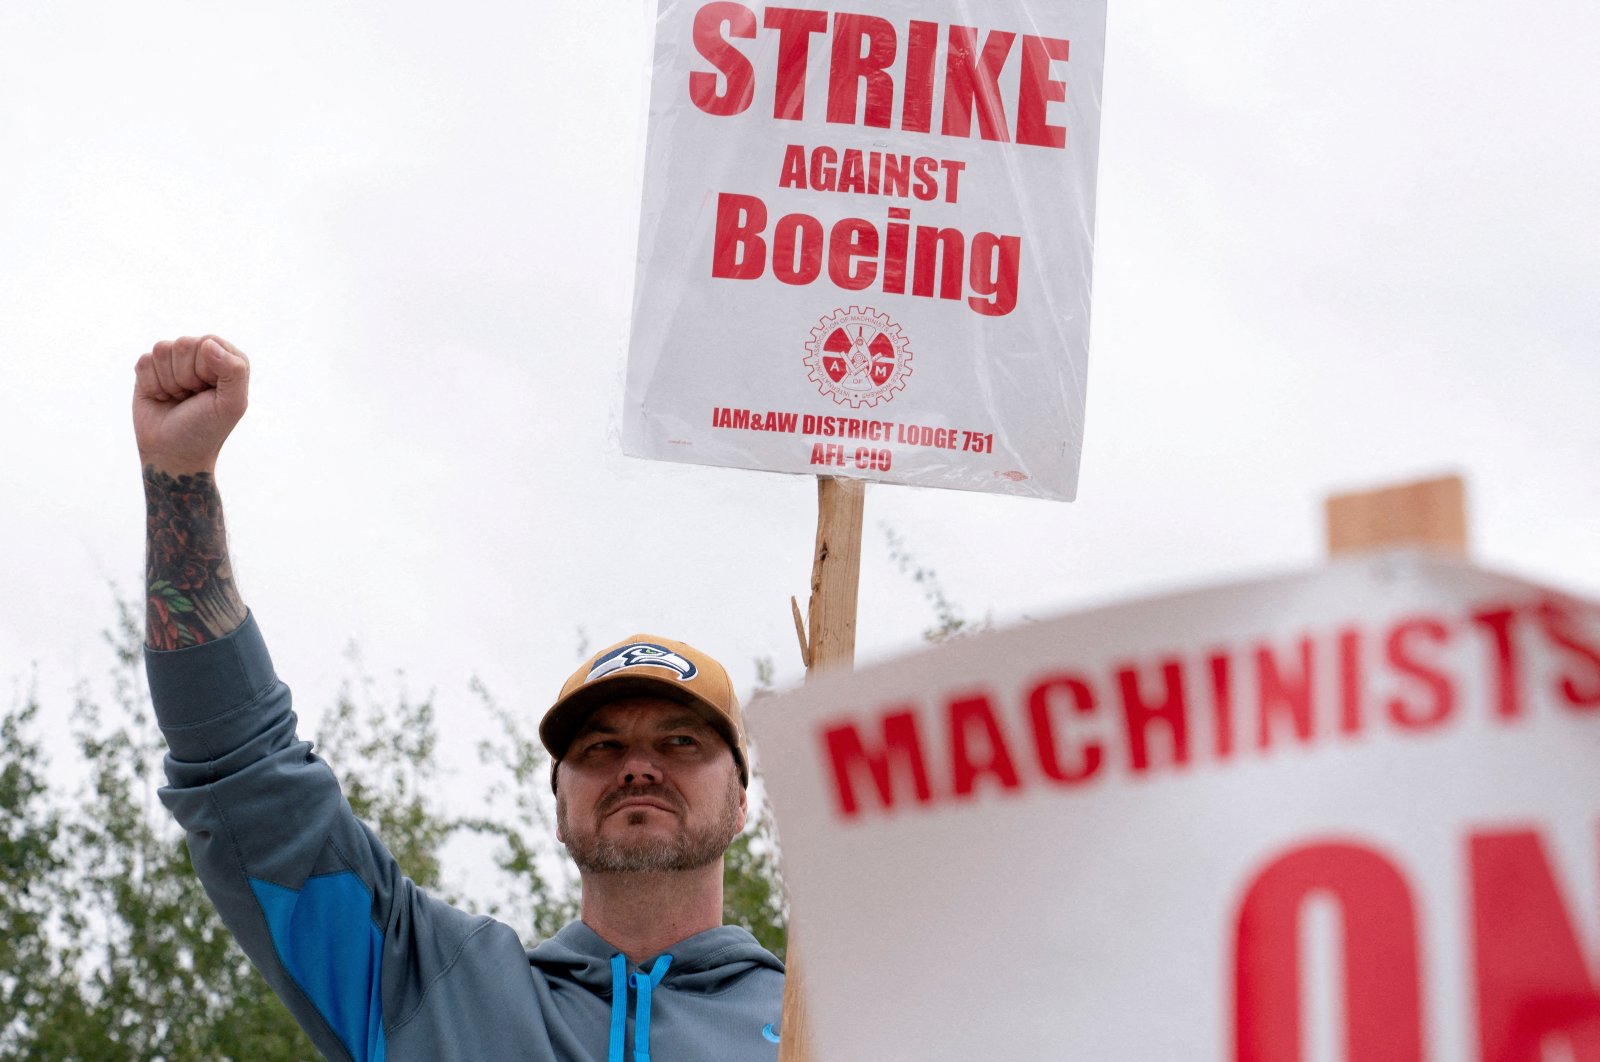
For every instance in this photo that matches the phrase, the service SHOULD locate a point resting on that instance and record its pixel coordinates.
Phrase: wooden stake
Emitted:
(835, 580)
(800, 633)
(836, 573)
(1430, 513)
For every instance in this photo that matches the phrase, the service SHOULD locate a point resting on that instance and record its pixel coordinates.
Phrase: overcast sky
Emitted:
(1338, 246)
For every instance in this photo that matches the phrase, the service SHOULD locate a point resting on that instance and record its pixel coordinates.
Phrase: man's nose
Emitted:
(640, 768)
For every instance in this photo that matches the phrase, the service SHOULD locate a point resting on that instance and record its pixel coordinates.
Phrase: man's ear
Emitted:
(744, 809)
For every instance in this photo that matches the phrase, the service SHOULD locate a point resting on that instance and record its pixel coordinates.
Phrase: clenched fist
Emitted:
(188, 394)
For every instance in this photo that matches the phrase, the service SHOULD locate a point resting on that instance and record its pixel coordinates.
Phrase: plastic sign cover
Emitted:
(866, 240)
(1348, 814)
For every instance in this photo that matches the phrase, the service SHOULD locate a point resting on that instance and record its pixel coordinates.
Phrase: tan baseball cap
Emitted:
(645, 665)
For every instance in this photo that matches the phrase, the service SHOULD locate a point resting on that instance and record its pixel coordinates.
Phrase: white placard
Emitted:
(1350, 814)
(866, 240)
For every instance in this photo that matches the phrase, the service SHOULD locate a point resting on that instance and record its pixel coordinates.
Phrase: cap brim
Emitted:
(562, 722)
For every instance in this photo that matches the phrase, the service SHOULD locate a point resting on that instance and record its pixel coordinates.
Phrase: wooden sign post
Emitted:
(835, 574)
(829, 644)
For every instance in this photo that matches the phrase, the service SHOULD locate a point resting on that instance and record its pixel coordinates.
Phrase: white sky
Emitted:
(1338, 246)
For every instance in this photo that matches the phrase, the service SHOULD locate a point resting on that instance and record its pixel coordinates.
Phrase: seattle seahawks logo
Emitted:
(642, 654)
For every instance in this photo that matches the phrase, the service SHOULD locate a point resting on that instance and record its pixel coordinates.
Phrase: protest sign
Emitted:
(866, 240)
(1347, 814)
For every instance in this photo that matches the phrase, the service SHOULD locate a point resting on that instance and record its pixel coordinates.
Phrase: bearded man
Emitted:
(649, 766)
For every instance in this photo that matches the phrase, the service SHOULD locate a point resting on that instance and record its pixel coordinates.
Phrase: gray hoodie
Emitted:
(372, 966)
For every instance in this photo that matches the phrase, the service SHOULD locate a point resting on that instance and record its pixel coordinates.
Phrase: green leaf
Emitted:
(180, 603)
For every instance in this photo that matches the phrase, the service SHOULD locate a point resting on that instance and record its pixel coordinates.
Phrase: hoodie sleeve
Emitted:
(314, 898)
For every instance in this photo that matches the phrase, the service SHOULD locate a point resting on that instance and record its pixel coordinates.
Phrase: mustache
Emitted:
(649, 792)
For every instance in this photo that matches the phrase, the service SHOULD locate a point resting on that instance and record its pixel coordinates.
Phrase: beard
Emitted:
(689, 849)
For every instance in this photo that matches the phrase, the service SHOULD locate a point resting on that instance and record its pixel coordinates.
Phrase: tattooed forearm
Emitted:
(191, 596)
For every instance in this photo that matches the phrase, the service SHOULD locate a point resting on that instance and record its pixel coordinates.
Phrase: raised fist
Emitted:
(188, 394)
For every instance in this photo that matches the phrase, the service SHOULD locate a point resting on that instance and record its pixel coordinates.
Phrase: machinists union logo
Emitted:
(858, 356)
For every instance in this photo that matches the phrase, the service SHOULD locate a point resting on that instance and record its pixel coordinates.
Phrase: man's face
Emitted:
(647, 785)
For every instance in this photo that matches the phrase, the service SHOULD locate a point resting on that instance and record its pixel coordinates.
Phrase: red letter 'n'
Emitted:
(1533, 981)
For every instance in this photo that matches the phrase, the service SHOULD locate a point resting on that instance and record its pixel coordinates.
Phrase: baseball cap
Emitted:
(646, 665)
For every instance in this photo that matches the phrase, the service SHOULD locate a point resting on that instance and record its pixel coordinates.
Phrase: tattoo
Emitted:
(191, 596)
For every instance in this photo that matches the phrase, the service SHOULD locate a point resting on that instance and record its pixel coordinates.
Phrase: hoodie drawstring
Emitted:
(641, 1013)
(619, 1004)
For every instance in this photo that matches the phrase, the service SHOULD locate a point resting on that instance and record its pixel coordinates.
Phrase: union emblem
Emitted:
(858, 357)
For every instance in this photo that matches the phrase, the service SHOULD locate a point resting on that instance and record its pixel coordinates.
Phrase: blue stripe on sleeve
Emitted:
(325, 938)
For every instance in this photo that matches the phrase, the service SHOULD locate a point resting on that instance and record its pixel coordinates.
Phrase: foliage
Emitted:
(33, 976)
(122, 953)
(109, 949)
(752, 887)
(543, 891)
(948, 623)
(385, 754)
(752, 891)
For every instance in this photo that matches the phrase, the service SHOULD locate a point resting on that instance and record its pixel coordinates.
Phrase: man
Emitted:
(650, 770)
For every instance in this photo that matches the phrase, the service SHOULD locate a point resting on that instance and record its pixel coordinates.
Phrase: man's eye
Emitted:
(682, 741)
(601, 746)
